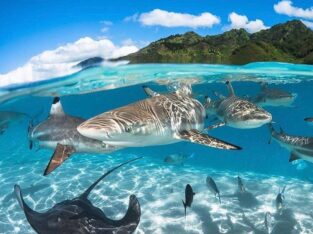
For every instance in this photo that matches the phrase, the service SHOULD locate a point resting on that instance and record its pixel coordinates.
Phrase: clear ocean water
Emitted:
(160, 187)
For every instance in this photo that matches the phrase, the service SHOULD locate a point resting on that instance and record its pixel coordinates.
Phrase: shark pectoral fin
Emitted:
(61, 153)
(217, 125)
(150, 92)
(197, 137)
(293, 156)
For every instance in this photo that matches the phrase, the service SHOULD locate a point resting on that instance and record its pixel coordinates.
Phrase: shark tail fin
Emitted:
(29, 131)
(86, 193)
(185, 207)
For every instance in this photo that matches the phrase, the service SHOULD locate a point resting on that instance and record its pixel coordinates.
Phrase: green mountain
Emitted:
(288, 42)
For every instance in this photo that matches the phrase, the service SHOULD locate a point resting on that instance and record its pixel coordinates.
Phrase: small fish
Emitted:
(188, 197)
(280, 199)
(241, 187)
(309, 120)
(177, 159)
(213, 187)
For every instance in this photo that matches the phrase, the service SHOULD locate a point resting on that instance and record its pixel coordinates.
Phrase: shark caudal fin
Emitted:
(185, 207)
(61, 153)
(149, 91)
(56, 108)
(230, 88)
(86, 193)
(197, 137)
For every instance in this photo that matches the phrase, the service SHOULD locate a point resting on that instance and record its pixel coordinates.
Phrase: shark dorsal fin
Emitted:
(86, 193)
(56, 108)
(230, 88)
(184, 89)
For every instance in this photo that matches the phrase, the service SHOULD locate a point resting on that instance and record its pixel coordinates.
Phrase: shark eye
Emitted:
(127, 129)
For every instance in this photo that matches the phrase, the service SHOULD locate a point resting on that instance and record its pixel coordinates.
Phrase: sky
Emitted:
(39, 33)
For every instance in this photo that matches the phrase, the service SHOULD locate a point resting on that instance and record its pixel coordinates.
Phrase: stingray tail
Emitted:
(86, 193)
(185, 207)
(219, 198)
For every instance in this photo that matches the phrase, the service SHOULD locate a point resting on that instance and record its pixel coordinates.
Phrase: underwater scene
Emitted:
(177, 149)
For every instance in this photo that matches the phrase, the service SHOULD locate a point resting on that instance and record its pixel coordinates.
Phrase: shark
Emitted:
(9, 117)
(301, 147)
(159, 119)
(59, 132)
(79, 215)
(273, 97)
(309, 120)
(237, 112)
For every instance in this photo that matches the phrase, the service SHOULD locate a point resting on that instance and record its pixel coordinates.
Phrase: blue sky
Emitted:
(28, 27)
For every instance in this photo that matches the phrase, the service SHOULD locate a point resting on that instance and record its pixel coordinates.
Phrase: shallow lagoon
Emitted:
(160, 187)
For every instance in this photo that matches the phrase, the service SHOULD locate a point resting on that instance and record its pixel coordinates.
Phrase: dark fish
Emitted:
(213, 187)
(280, 199)
(188, 197)
(241, 187)
(80, 216)
(309, 119)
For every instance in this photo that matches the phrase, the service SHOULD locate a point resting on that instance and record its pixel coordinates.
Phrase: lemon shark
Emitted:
(79, 215)
(300, 147)
(59, 132)
(158, 120)
(237, 112)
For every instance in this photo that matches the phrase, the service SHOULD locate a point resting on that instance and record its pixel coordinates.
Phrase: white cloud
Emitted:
(105, 25)
(241, 21)
(308, 23)
(131, 18)
(173, 19)
(60, 61)
(285, 7)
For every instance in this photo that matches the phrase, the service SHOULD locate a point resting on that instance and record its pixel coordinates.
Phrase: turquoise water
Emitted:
(159, 186)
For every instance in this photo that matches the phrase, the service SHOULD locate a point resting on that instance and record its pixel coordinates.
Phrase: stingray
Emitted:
(80, 216)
